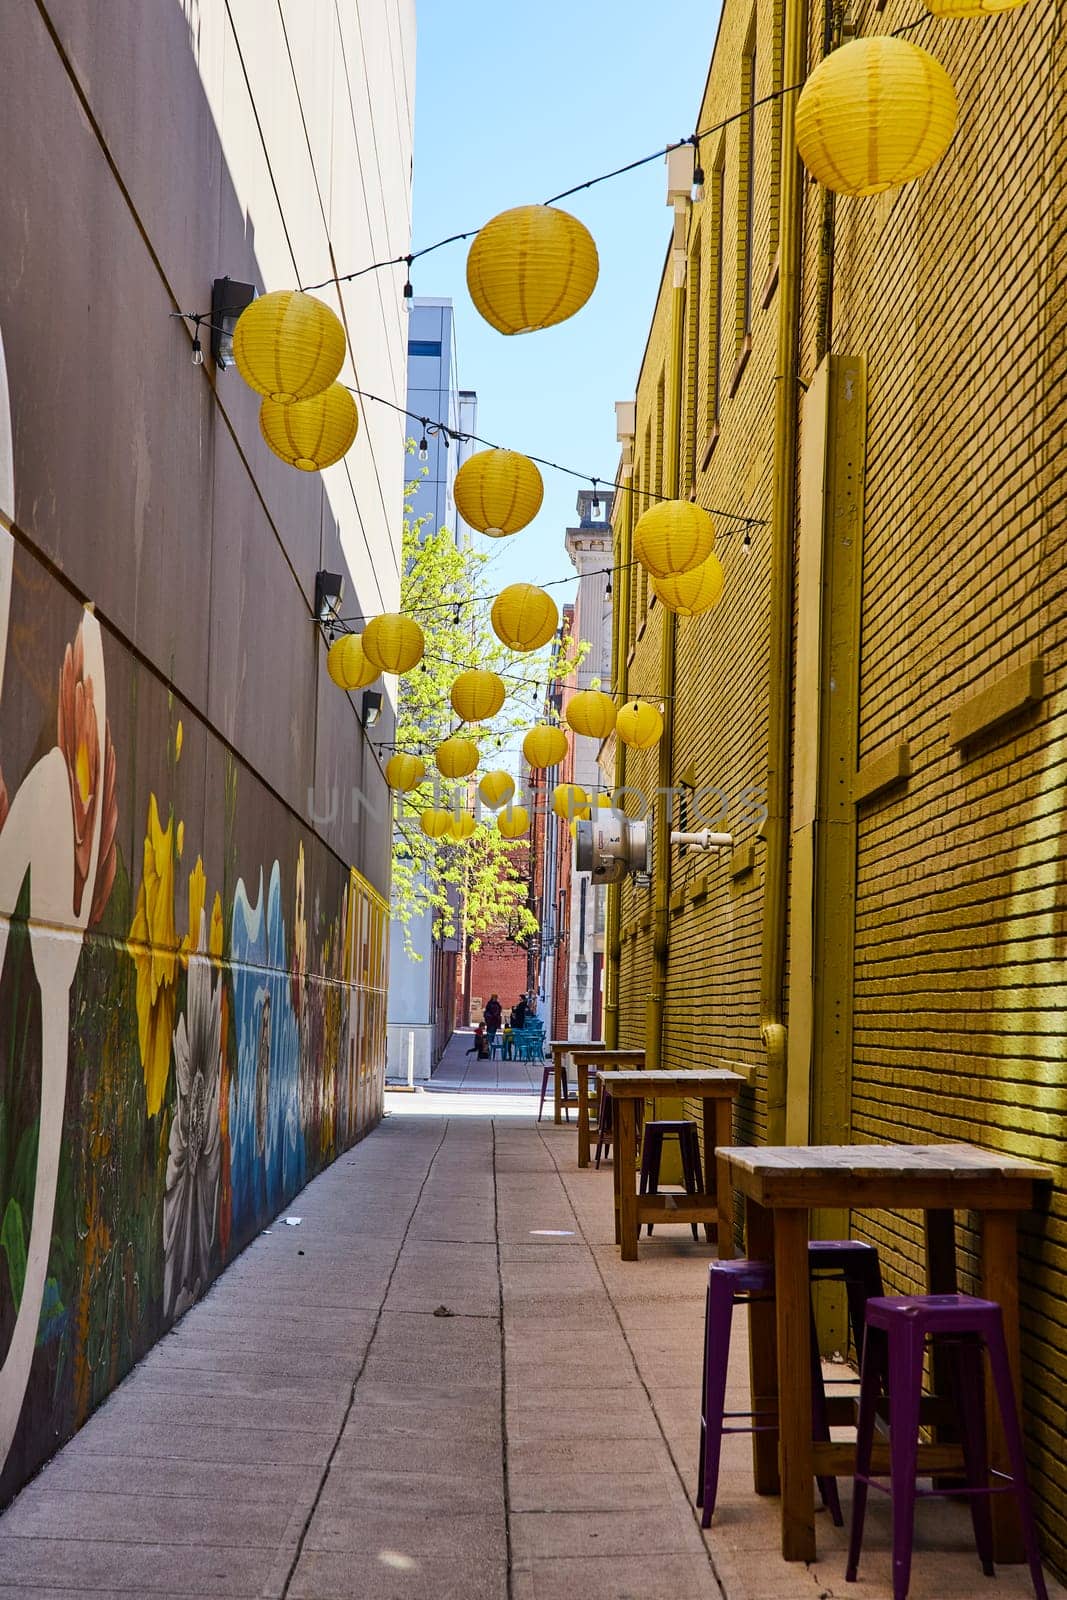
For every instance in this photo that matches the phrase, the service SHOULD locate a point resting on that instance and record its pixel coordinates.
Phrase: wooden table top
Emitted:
(699, 1081)
(577, 1044)
(607, 1050)
(929, 1175)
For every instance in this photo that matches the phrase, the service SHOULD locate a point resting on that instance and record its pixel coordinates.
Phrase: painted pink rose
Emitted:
(78, 738)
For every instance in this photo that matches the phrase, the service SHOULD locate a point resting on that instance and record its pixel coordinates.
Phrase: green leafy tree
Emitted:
(480, 884)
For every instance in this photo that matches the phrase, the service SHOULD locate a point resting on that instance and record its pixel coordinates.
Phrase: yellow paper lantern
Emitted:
(544, 746)
(971, 8)
(513, 822)
(393, 642)
(462, 826)
(874, 114)
(477, 695)
(311, 434)
(570, 801)
(639, 725)
(674, 536)
(456, 758)
(435, 822)
(524, 617)
(404, 772)
(498, 491)
(347, 663)
(288, 346)
(531, 267)
(590, 712)
(496, 789)
(690, 593)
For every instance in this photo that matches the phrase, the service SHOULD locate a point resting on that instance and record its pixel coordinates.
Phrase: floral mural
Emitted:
(176, 1055)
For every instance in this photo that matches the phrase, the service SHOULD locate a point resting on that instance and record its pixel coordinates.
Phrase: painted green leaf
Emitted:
(13, 1243)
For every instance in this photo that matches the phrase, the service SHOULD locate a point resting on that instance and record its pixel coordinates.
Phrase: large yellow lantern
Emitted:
(513, 822)
(462, 826)
(674, 536)
(288, 346)
(393, 642)
(311, 434)
(690, 593)
(496, 789)
(404, 772)
(498, 491)
(874, 114)
(456, 758)
(436, 822)
(570, 801)
(477, 695)
(347, 663)
(971, 8)
(531, 267)
(639, 725)
(524, 617)
(544, 746)
(590, 712)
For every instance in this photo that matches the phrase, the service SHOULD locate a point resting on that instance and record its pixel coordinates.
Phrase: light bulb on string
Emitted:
(424, 448)
(409, 291)
(746, 543)
(198, 352)
(594, 505)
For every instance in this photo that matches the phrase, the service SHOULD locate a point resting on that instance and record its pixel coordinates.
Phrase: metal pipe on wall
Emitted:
(780, 652)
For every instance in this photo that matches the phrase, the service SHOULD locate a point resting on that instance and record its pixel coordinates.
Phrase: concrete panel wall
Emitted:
(194, 829)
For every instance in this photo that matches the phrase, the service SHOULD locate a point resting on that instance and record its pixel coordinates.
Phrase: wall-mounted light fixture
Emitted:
(329, 592)
(228, 299)
(372, 707)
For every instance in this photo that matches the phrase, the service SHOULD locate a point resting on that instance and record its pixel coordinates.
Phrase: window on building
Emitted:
(775, 113)
(746, 200)
(715, 277)
(692, 367)
(424, 347)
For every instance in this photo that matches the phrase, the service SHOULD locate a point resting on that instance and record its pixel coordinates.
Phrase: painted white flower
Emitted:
(190, 1204)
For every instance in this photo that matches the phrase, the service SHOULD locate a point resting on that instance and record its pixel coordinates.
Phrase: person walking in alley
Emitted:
(493, 1015)
(518, 1013)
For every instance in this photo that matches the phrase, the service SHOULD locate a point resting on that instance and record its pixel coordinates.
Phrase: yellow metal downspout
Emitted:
(620, 643)
(780, 655)
(661, 832)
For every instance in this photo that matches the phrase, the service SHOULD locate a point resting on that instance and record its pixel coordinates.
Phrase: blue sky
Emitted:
(513, 104)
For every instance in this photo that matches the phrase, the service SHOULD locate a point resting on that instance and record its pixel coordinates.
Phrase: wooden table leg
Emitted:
(557, 1085)
(1000, 1282)
(940, 1229)
(792, 1305)
(583, 1115)
(626, 1155)
(762, 1355)
(616, 1170)
(719, 1130)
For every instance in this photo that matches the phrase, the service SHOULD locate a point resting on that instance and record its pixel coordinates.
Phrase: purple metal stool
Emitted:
(900, 1326)
(546, 1079)
(841, 1259)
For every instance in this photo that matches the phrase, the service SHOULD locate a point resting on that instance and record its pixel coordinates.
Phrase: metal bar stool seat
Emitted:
(897, 1330)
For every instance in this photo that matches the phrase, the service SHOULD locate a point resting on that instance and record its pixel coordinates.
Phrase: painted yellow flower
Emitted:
(197, 902)
(181, 839)
(214, 939)
(179, 736)
(153, 945)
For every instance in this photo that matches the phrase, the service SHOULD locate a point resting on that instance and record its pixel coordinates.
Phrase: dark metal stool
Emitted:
(652, 1156)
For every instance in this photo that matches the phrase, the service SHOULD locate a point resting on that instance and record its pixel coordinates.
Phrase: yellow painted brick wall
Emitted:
(953, 289)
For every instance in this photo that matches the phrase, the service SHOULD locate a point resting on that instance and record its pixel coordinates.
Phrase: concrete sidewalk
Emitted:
(443, 1383)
